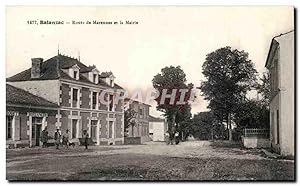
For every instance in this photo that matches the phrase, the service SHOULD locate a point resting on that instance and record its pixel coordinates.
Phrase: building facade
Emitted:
(157, 128)
(24, 110)
(86, 99)
(280, 63)
(141, 128)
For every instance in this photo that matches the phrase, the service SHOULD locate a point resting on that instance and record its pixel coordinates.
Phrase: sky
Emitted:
(135, 53)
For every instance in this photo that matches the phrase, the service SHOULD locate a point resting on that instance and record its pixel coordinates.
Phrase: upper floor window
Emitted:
(274, 78)
(141, 112)
(75, 74)
(94, 100)
(75, 98)
(73, 71)
(95, 78)
(111, 103)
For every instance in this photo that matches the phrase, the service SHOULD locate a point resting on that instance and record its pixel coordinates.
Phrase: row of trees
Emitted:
(230, 75)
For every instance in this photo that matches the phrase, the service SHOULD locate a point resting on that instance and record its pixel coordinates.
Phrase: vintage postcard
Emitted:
(150, 93)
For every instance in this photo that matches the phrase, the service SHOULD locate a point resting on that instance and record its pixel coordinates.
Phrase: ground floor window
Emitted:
(277, 124)
(94, 129)
(74, 128)
(138, 129)
(9, 121)
(110, 129)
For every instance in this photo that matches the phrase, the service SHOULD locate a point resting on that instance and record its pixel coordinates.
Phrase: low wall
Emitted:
(132, 141)
(255, 142)
(17, 144)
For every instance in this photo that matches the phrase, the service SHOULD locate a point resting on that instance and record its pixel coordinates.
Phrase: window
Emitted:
(74, 128)
(138, 129)
(141, 110)
(277, 124)
(273, 126)
(75, 74)
(75, 98)
(94, 100)
(94, 129)
(9, 121)
(111, 82)
(36, 128)
(110, 129)
(111, 103)
(95, 78)
(150, 126)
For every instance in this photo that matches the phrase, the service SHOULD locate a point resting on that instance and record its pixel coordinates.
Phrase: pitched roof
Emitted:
(50, 71)
(105, 74)
(273, 47)
(87, 69)
(154, 119)
(21, 97)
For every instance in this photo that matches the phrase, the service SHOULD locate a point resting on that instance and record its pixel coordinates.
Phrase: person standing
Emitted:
(176, 138)
(44, 137)
(85, 137)
(167, 138)
(66, 138)
(57, 137)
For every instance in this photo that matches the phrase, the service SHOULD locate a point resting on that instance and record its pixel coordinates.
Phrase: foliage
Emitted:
(172, 78)
(264, 88)
(252, 114)
(229, 76)
(203, 126)
(129, 119)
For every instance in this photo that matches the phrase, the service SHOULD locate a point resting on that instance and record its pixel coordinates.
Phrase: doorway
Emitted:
(74, 128)
(36, 130)
(94, 130)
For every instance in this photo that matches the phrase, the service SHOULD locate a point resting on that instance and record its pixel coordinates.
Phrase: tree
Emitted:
(229, 76)
(129, 120)
(252, 114)
(264, 88)
(203, 124)
(173, 79)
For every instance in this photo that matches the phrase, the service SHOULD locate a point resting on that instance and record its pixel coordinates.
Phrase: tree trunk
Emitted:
(132, 130)
(229, 127)
(172, 128)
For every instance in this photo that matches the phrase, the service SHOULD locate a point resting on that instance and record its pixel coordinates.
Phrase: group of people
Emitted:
(171, 137)
(62, 140)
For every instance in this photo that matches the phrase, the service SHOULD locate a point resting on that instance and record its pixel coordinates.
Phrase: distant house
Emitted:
(24, 109)
(280, 63)
(141, 128)
(157, 128)
(76, 89)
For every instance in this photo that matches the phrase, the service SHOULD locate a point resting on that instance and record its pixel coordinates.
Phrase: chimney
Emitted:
(36, 67)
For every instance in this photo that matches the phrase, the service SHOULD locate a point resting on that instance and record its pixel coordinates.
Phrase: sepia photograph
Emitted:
(150, 93)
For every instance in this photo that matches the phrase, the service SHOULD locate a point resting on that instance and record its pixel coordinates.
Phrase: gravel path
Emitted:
(194, 160)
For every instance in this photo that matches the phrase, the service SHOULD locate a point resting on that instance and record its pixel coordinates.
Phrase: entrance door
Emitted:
(38, 134)
(36, 130)
(94, 130)
(110, 129)
(74, 128)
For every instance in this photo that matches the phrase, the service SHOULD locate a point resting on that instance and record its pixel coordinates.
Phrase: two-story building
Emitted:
(280, 63)
(141, 128)
(86, 99)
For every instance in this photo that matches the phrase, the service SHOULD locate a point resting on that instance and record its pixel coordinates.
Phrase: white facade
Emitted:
(280, 62)
(157, 129)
